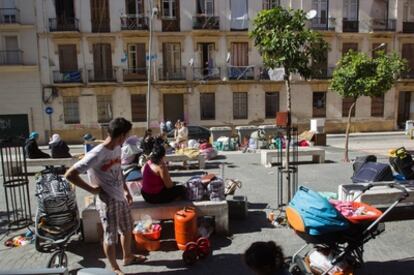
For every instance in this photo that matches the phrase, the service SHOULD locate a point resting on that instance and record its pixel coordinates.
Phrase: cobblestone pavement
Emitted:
(390, 253)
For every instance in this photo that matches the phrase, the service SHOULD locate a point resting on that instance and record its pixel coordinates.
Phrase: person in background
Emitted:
(265, 258)
(58, 148)
(31, 148)
(181, 137)
(103, 164)
(157, 186)
(147, 142)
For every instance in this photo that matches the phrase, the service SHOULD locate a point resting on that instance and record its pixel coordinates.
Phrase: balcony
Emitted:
(205, 22)
(263, 74)
(67, 77)
(350, 25)
(408, 27)
(9, 16)
(239, 24)
(172, 74)
(322, 73)
(323, 24)
(63, 25)
(202, 74)
(11, 57)
(408, 75)
(240, 72)
(135, 74)
(388, 25)
(134, 22)
(170, 24)
(108, 75)
(101, 25)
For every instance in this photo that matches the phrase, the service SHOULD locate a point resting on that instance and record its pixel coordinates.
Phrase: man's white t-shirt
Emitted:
(104, 170)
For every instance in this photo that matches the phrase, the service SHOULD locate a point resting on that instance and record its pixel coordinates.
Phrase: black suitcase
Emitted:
(403, 163)
(359, 161)
(373, 172)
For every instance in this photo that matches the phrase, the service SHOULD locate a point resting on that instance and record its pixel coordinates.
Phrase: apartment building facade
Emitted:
(20, 88)
(206, 70)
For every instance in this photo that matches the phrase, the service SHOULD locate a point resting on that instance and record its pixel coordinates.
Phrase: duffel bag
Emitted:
(402, 162)
(373, 172)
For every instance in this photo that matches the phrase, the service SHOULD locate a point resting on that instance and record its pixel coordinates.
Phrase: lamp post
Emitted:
(153, 11)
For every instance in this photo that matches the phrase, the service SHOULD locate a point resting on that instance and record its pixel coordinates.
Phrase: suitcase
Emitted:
(359, 161)
(373, 172)
(402, 162)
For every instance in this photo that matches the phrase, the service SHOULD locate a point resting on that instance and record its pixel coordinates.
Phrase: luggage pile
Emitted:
(208, 187)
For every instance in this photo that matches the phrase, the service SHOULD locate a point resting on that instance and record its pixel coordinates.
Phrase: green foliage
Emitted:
(283, 40)
(358, 75)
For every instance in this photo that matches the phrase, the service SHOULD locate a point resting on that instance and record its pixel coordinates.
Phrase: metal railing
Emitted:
(134, 22)
(240, 72)
(350, 25)
(322, 73)
(67, 77)
(101, 25)
(11, 57)
(63, 24)
(263, 74)
(408, 27)
(379, 24)
(213, 73)
(323, 23)
(9, 16)
(172, 74)
(206, 22)
(108, 75)
(135, 74)
(408, 75)
(239, 24)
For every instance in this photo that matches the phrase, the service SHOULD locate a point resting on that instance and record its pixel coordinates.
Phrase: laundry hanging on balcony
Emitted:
(71, 77)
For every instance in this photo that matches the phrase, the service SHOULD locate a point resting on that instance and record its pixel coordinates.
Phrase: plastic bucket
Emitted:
(145, 242)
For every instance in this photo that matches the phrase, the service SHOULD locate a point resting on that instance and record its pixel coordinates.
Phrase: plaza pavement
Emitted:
(390, 253)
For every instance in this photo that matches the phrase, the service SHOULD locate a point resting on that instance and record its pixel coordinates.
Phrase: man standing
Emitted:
(103, 164)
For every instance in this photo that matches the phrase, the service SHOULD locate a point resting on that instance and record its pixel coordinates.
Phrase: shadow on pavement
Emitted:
(91, 253)
(400, 267)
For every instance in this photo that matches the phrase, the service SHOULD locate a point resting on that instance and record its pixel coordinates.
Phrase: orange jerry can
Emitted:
(185, 227)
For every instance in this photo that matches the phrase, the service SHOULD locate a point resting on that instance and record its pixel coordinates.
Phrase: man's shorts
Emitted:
(115, 218)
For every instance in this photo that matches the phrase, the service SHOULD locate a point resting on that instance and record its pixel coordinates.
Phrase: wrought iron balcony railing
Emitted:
(408, 27)
(378, 24)
(9, 16)
(350, 25)
(67, 77)
(134, 22)
(213, 73)
(323, 23)
(135, 74)
(172, 73)
(106, 75)
(206, 22)
(240, 72)
(322, 73)
(63, 24)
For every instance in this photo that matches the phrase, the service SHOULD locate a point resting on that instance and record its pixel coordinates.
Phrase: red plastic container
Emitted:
(185, 226)
(148, 244)
(370, 213)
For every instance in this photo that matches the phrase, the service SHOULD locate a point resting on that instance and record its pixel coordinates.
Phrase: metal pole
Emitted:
(149, 63)
(50, 125)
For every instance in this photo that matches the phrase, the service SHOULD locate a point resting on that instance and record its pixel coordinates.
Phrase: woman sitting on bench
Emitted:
(157, 186)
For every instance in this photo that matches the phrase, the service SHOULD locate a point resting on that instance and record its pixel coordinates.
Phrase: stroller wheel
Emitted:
(190, 254)
(58, 259)
(294, 269)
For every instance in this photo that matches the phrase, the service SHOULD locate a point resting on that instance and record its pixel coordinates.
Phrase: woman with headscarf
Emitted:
(58, 147)
(32, 150)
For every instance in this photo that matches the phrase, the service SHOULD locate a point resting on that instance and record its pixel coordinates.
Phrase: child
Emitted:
(265, 258)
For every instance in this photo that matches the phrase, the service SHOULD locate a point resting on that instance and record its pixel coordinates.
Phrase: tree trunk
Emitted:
(348, 127)
(287, 188)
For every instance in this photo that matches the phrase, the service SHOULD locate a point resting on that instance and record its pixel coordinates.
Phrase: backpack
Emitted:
(402, 162)
(373, 172)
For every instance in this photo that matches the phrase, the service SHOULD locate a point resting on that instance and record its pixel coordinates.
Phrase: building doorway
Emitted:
(173, 107)
(404, 104)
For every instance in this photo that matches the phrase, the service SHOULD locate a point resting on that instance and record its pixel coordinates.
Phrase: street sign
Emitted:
(49, 110)
(153, 57)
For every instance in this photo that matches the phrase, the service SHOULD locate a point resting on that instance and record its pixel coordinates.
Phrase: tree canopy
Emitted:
(356, 74)
(283, 40)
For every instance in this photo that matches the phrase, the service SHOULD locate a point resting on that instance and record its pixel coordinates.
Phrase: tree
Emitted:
(283, 40)
(358, 75)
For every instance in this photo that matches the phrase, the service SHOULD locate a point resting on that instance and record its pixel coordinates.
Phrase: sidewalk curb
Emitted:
(368, 134)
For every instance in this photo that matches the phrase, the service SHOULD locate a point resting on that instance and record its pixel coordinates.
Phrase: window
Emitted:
(172, 61)
(272, 104)
(350, 10)
(68, 58)
(376, 48)
(408, 53)
(346, 105)
(319, 104)
(135, 7)
(239, 105)
(169, 8)
(205, 7)
(377, 106)
(100, 16)
(104, 104)
(207, 106)
(136, 57)
(346, 47)
(139, 108)
(270, 4)
(71, 109)
(239, 15)
(240, 54)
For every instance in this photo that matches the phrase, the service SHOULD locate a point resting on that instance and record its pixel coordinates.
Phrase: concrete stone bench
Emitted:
(267, 156)
(218, 209)
(181, 158)
(380, 196)
(68, 162)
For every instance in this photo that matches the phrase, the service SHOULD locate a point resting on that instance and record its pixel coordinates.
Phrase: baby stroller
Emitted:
(324, 228)
(57, 216)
